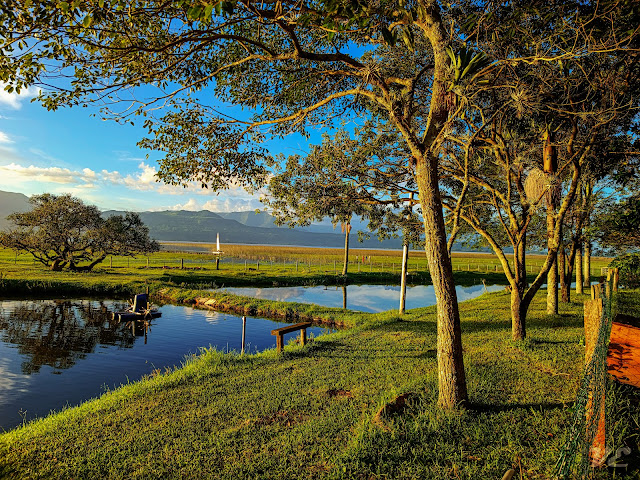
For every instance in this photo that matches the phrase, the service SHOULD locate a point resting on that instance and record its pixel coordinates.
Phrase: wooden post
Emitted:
(217, 263)
(593, 323)
(279, 342)
(257, 264)
(403, 278)
(111, 261)
(303, 336)
(244, 329)
(182, 264)
(616, 279)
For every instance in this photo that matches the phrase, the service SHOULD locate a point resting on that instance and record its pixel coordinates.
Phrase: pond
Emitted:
(61, 352)
(363, 298)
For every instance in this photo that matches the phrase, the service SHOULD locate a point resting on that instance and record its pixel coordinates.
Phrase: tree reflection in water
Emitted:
(58, 333)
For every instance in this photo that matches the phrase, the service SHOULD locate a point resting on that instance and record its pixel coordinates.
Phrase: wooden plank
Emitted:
(624, 354)
(290, 328)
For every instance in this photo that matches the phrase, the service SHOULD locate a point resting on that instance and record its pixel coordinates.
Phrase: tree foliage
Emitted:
(62, 232)
(619, 226)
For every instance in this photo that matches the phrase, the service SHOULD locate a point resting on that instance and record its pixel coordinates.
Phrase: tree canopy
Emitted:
(62, 232)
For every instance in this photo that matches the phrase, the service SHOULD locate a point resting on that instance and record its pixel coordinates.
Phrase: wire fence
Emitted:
(586, 443)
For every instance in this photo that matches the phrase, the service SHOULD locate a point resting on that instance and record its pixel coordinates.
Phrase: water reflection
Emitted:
(58, 333)
(364, 298)
(61, 352)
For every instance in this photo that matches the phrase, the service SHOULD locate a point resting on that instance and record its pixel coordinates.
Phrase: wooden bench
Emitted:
(279, 332)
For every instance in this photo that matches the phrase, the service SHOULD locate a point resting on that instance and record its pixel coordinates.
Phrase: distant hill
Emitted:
(265, 220)
(234, 227)
(203, 226)
(9, 203)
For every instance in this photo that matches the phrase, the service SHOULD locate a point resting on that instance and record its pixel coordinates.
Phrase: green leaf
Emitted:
(86, 23)
(407, 37)
(387, 36)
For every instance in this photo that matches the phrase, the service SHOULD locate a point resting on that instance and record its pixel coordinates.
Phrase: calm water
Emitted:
(364, 298)
(61, 352)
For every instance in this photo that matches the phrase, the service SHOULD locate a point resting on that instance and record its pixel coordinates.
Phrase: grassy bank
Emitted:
(318, 411)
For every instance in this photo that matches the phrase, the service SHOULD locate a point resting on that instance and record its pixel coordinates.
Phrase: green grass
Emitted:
(311, 413)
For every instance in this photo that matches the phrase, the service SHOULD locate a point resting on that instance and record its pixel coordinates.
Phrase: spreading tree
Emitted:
(60, 231)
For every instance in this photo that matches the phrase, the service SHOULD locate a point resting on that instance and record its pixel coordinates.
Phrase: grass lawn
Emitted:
(318, 411)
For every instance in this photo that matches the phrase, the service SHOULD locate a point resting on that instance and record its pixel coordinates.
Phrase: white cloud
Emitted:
(4, 138)
(14, 100)
(87, 183)
(49, 174)
(222, 203)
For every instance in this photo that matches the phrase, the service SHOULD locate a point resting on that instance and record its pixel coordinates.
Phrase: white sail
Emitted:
(218, 242)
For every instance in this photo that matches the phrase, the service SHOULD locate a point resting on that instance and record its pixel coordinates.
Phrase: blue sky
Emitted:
(71, 151)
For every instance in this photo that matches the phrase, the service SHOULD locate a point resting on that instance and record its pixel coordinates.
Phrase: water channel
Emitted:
(363, 298)
(55, 353)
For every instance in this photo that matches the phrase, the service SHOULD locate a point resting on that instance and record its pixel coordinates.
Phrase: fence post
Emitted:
(244, 329)
(616, 278)
(593, 323)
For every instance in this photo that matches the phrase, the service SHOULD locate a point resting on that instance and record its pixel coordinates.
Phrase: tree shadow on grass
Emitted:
(497, 408)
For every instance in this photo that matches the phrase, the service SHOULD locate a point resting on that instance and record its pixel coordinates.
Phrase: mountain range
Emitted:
(233, 227)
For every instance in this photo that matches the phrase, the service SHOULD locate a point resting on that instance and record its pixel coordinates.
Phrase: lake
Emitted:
(363, 298)
(62, 352)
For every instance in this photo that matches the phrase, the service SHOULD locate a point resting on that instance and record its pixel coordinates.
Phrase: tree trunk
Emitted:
(452, 388)
(347, 229)
(56, 265)
(518, 315)
(552, 274)
(578, 267)
(565, 277)
(587, 264)
(452, 385)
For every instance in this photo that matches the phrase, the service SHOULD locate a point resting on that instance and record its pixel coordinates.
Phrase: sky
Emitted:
(72, 150)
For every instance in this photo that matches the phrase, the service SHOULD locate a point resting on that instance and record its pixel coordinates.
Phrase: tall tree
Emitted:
(296, 63)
